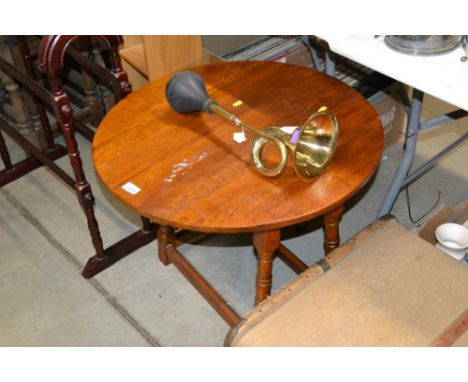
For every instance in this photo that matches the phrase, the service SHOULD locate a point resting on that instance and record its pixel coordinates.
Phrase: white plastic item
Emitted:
(457, 254)
(452, 235)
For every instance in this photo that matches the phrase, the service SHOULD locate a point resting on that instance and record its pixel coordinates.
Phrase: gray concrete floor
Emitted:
(44, 243)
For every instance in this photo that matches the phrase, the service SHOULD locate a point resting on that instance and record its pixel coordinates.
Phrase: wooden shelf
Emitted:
(135, 56)
(146, 58)
(166, 54)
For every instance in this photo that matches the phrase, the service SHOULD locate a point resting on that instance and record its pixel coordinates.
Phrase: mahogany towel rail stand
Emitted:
(52, 51)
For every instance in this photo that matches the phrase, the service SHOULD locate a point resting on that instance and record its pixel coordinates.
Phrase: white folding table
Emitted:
(443, 76)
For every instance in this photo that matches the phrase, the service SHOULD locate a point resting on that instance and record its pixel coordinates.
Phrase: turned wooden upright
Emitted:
(192, 174)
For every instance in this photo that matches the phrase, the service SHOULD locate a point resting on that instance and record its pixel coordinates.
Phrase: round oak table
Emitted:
(189, 173)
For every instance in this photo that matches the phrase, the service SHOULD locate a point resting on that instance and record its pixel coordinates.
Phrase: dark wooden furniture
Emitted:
(53, 52)
(192, 175)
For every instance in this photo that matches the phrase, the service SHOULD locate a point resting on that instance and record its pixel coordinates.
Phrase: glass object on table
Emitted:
(423, 45)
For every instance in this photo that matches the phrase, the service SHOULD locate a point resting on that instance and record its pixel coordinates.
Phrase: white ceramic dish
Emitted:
(452, 235)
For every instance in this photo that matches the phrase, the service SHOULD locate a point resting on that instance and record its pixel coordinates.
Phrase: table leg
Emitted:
(332, 229)
(108, 98)
(330, 66)
(312, 51)
(42, 121)
(412, 129)
(266, 244)
(166, 236)
(18, 107)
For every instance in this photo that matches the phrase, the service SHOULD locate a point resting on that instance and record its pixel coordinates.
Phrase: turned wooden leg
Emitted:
(266, 244)
(64, 114)
(146, 225)
(89, 82)
(90, 89)
(36, 109)
(332, 229)
(19, 109)
(166, 236)
(107, 96)
(28, 99)
(18, 106)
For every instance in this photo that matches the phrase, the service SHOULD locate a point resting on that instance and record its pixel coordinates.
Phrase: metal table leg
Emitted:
(402, 177)
(330, 68)
(313, 53)
(410, 143)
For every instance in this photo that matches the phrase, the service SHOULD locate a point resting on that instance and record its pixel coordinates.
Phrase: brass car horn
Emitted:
(311, 145)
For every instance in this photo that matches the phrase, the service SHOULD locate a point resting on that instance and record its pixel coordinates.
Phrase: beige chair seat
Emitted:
(384, 287)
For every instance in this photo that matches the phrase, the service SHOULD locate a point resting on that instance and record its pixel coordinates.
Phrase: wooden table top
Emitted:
(193, 175)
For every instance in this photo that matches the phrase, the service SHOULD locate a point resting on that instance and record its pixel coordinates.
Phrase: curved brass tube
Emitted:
(311, 145)
(264, 136)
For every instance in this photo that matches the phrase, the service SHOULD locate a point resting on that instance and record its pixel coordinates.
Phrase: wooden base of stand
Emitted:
(118, 251)
(29, 164)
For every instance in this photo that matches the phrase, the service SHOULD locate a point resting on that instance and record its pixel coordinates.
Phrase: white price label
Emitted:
(239, 137)
(131, 188)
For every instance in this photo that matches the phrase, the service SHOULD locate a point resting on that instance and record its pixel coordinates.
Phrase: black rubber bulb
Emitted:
(186, 93)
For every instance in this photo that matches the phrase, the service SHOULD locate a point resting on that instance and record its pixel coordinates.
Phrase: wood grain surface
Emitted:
(193, 175)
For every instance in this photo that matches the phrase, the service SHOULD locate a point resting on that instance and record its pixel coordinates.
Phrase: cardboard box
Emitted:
(392, 115)
(443, 214)
(299, 56)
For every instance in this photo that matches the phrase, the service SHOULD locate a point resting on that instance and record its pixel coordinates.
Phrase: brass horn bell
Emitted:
(312, 145)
